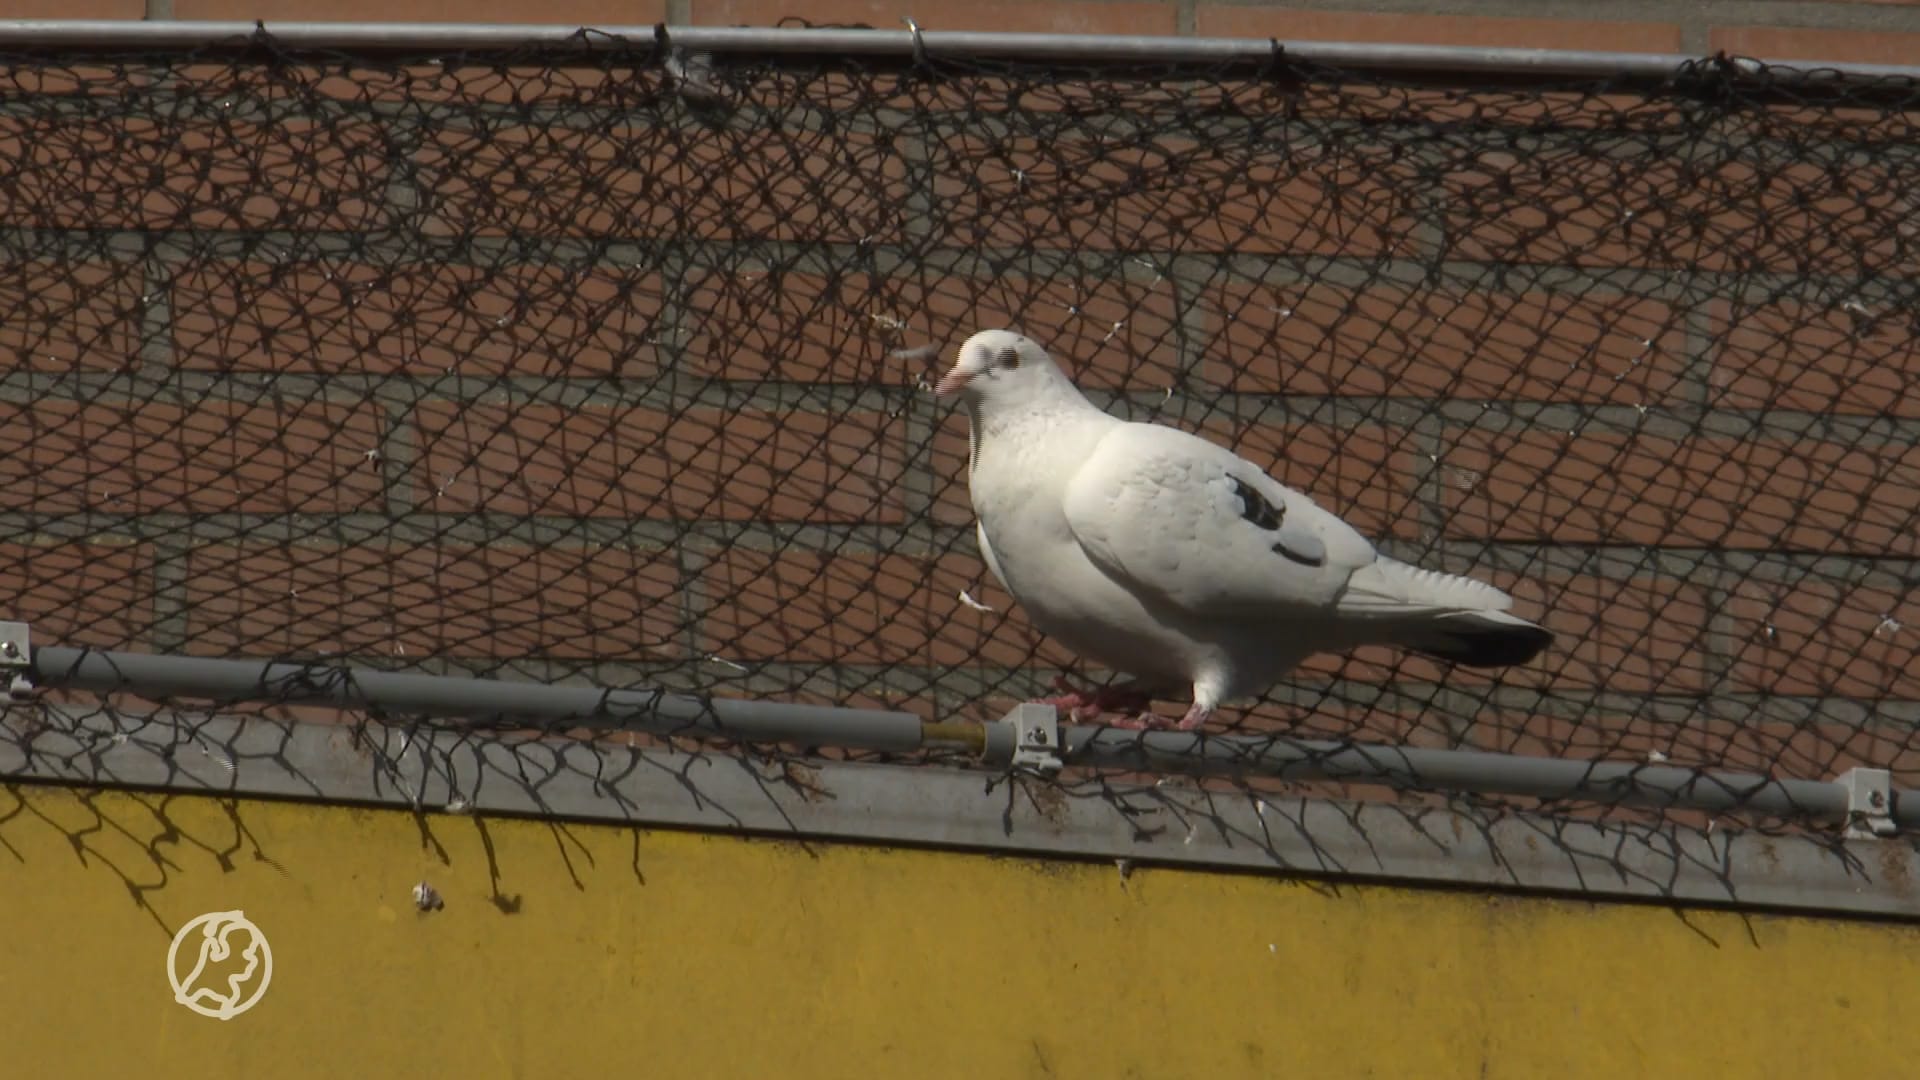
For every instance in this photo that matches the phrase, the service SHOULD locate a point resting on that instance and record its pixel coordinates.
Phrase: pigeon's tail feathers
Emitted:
(1477, 638)
(1390, 588)
(1444, 616)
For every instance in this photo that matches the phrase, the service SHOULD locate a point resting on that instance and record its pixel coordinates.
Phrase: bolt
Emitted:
(8, 648)
(1876, 799)
(1040, 736)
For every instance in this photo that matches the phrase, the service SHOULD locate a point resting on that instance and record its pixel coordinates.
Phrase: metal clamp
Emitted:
(1036, 737)
(16, 659)
(919, 43)
(1869, 803)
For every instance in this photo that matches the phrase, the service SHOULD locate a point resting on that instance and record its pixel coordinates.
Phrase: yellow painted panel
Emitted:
(578, 950)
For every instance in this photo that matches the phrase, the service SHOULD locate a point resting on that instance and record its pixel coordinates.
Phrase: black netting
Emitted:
(587, 366)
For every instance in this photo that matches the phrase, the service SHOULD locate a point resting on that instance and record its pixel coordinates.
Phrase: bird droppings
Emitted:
(427, 898)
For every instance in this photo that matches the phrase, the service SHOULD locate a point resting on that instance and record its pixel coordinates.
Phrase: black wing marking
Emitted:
(1255, 507)
(1263, 514)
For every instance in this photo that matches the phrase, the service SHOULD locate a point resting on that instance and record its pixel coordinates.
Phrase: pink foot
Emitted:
(1144, 720)
(1090, 703)
(1196, 716)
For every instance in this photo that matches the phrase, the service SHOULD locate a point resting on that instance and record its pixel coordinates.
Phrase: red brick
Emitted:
(1322, 339)
(1826, 638)
(1162, 192)
(77, 9)
(570, 12)
(639, 463)
(1108, 334)
(1597, 735)
(1291, 24)
(1734, 215)
(1060, 17)
(480, 82)
(1832, 46)
(66, 316)
(415, 602)
(1827, 749)
(779, 183)
(1787, 355)
(1643, 635)
(306, 456)
(79, 594)
(348, 317)
(70, 79)
(1809, 496)
(755, 326)
(811, 607)
(1327, 718)
(146, 174)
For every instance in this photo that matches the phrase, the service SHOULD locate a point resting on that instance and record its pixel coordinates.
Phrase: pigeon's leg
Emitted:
(1206, 694)
(1149, 721)
(1091, 703)
(1140, 721)
(1196, 716)
(1078, 702)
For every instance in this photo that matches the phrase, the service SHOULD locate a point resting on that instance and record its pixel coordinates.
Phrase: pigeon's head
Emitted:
(1000, 365)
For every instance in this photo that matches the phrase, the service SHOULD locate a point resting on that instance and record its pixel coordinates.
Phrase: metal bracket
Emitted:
(16, 659)
(1869, 803)
(1036, 737)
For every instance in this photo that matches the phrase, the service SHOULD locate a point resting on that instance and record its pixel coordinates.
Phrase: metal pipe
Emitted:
(1354, 56)
(488, 701)
(1467, 770)
(475, 700)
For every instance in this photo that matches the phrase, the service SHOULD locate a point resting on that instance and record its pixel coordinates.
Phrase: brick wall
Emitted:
(538, 369)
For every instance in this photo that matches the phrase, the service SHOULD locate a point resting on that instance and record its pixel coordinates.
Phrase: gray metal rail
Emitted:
(477, 701)
(1541, 63)
(1619, 782)
(1030, 736)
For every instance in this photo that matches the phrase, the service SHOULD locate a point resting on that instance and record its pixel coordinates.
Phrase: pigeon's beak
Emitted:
(951, 382)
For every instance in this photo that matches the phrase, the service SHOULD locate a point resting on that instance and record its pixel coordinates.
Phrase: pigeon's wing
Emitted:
(1181, 521)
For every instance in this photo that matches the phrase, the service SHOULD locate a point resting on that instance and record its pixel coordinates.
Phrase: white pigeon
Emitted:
(1158, 554)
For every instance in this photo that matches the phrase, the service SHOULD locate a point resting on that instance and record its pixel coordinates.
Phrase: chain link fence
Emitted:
(607, 363)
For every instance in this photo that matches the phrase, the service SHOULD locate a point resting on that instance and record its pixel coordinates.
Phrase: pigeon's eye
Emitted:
(1009, 358)
(985, 354)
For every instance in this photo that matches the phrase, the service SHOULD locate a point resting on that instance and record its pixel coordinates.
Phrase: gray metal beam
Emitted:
(1542, 63)
(444, 773)
(1626, 783)
(1000, 744)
